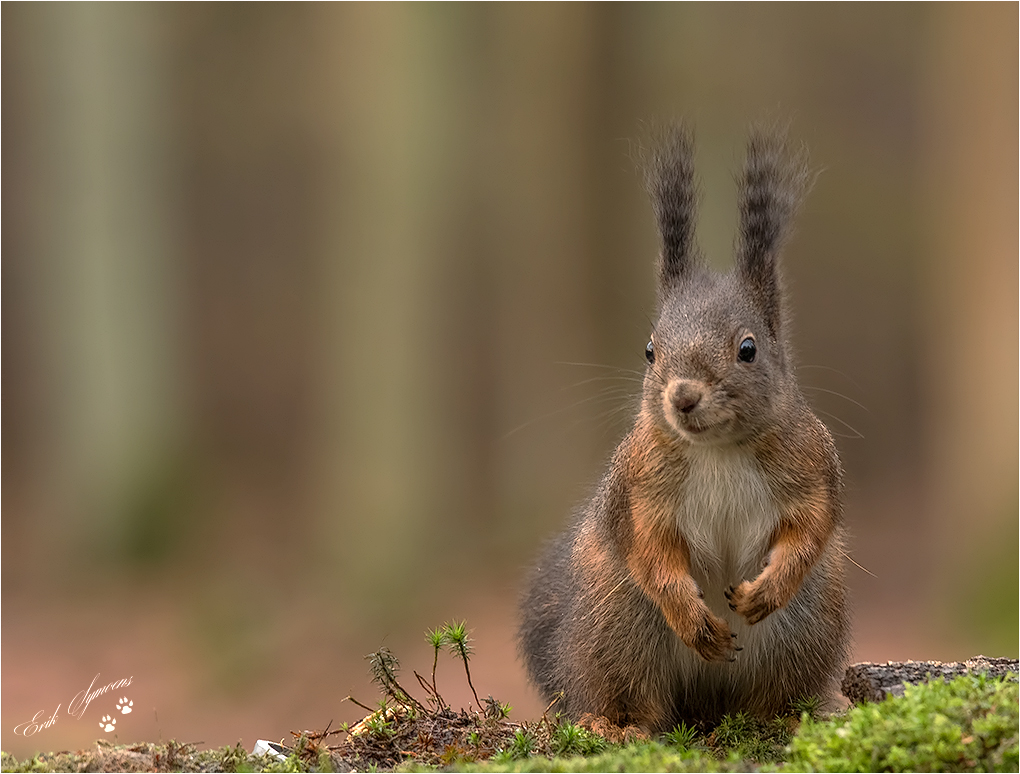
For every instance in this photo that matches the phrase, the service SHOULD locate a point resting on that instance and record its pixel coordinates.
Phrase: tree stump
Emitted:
(873, 682)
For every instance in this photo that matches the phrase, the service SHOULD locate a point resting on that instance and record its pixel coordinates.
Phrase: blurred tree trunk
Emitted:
(95, 282)
(457, 216)
(968, 187)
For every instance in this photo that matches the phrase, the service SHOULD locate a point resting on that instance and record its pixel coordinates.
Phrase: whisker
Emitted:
(838, 395)
(857, 565)
(599, 365)
(847, 425)
(833, 370)
(612, 394)
(607, 419)
(631, 379)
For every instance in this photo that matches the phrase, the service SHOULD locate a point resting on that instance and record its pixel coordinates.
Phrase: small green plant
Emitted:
(682, 737)
(290, 765)
(571, 739)
(381, 724)
(496, 710)
(522, 744)
(436, 638)
(234, 758)
(407, 732)
(501, 757)
(460, 645)
(734, 729)
(748, 738)
(384, 666)
(807, 704)
(453, 755)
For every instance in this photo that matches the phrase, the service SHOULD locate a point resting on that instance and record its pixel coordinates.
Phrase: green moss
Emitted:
(969, 724)
(751, 739)
(637, 756)
(168, 756)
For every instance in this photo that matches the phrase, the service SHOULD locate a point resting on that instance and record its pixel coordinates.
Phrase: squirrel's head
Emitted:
(718, 361)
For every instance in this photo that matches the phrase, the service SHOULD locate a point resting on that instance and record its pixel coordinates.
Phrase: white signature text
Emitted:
(75, 709)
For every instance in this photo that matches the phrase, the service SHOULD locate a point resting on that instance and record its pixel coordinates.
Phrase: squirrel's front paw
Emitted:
(752, 601)
(713, 640)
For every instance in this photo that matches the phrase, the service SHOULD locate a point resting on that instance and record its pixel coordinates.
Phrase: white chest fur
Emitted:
(726, 514)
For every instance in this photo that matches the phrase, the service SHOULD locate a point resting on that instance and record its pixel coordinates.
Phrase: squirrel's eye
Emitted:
(747, 350)
(650, 352)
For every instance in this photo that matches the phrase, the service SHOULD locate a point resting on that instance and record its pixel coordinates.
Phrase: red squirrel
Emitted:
(706, 574)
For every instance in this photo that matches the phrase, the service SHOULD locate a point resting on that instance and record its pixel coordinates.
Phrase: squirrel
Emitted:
(705, 576)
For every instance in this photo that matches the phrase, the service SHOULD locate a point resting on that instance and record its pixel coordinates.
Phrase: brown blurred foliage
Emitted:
(317, 319)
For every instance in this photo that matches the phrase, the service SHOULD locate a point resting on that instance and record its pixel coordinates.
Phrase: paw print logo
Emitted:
(124, 706)
(107, 723)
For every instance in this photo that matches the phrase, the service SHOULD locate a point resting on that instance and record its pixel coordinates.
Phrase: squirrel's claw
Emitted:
(728, 593)
(752, 601)
(711, 641)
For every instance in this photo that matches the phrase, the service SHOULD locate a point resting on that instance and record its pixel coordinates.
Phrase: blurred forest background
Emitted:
(294, 296)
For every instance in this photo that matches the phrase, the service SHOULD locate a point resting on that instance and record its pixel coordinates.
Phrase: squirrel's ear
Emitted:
(669, 179)
(774, 180)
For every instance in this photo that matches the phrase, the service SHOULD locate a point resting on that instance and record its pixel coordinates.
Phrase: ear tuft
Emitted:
(774, 180)
(671, 185)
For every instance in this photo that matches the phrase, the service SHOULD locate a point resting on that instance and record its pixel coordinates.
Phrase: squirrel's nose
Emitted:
(685, 396)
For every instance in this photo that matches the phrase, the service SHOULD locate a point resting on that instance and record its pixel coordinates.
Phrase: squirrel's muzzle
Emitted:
(684, 395)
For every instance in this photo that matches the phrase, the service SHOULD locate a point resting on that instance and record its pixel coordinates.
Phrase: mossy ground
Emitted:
(969, 724)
